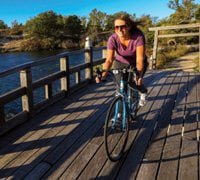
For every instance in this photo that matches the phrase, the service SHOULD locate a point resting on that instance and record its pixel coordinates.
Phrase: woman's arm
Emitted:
(107, 65)
(140, 55)
(109, 61)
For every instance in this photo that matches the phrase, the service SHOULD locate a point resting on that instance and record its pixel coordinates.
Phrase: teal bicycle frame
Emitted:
(126, 100)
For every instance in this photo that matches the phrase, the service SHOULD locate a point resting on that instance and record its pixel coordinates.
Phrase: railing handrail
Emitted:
(43, 61)
(182, 26)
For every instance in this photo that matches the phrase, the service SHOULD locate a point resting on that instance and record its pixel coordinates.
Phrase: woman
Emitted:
(125, 47)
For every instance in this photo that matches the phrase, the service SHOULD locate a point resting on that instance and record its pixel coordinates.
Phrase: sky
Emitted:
(23, 10)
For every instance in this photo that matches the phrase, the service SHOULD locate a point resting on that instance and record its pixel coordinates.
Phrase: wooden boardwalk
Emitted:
(66, 140)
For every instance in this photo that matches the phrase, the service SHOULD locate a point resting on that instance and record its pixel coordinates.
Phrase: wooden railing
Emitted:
(27, 86)
(157, 30)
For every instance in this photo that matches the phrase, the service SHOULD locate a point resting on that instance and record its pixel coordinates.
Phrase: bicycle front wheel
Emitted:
(116, 129)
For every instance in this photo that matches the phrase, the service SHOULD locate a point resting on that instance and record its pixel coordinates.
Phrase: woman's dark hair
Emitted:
(129, 22)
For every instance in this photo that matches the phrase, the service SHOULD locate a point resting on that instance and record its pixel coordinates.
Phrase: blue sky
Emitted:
(23, 10)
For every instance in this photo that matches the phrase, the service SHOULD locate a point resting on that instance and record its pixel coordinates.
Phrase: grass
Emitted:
(196, 61)
(168, 54)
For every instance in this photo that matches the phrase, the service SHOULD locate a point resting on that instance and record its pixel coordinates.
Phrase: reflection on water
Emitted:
(10, 60)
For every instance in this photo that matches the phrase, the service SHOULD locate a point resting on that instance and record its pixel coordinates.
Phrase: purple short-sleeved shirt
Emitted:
(124, 54)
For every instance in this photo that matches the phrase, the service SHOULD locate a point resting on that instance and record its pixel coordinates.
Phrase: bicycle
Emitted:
(122, 110)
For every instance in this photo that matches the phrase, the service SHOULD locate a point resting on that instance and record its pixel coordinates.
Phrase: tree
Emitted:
(3, 25)
(73, 27)
(97, 23)
(147, 21)
(184, 11)
(45, 25)
(197, 14)
(16, 28)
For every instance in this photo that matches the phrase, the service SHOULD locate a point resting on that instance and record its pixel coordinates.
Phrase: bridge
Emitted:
(62, 136)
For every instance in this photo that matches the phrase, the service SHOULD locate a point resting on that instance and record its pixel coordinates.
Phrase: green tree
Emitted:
(84, 23)
(197, 14)
(45, 25)
(3, 25)
(97, 23)
(184, 11)
(147, 21)
(73, 27)
(16, 28)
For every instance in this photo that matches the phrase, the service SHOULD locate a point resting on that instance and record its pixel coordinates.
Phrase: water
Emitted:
(10, 60)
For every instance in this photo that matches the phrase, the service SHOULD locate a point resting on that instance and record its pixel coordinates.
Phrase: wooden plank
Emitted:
(155, 47)
(188, 166)
(183, 26)
(15, 69)
(26, 81)
(63, 157)
(38, 171)
(59, 133)
(12, 95)
(73, 171)
(48, 79)
(178, 35)
(22, 145)
(150, 163)
(198, 132)
(170, 157)
(79, 68)
(48, 91)
(65, 81)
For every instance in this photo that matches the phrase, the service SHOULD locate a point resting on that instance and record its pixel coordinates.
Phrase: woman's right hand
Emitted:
(98, 80)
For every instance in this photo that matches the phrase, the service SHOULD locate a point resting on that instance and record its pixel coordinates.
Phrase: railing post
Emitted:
(89, 59)
(104, 53)
(199, 49)
(27, 99)
(65, 81)
(48, 91)
(2, 115)
(78, 77)
(155, 46)
(151, 62)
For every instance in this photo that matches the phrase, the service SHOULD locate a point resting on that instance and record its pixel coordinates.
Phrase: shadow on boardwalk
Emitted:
(66, 140)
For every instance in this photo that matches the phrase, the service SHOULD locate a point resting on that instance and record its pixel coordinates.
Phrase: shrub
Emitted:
(168, 54)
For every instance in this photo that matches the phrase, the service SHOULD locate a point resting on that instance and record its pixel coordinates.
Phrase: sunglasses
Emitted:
(120, 27)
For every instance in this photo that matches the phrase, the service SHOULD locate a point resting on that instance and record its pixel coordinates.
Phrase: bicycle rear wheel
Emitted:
(116, 130)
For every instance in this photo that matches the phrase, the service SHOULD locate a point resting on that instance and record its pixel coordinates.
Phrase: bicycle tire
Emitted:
(116, 132)
(134, 108)
(134, 101)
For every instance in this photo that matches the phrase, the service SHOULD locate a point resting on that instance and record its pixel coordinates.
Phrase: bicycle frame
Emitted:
(126, 99)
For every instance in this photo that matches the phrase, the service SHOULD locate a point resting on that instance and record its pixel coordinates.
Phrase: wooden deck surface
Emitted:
(66, 140)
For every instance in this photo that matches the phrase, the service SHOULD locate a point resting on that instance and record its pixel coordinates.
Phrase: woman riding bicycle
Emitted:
(126, 47)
